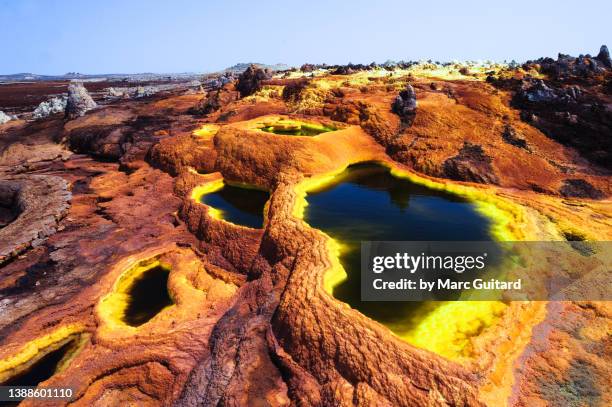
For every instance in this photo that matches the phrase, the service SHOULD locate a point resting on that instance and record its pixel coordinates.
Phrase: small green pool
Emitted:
(147, 296)
(242, 206)
(295, 128)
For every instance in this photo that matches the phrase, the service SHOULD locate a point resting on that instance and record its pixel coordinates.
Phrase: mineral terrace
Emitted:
(93, 199)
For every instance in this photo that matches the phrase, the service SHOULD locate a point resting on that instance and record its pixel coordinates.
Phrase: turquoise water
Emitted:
(368, 203)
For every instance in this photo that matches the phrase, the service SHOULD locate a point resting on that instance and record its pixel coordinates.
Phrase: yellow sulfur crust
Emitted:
(37, 348)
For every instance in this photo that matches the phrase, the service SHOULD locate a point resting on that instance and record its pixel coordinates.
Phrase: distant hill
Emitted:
(25, 77)
(146, 76)
(28, 77)
(242, 66)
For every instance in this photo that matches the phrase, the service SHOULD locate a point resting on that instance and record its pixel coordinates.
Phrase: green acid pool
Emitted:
(367, 203)
(148, 295)
(239, 205)
(295, 128)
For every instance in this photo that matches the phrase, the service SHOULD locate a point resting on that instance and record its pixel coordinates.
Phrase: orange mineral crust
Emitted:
(118, 272)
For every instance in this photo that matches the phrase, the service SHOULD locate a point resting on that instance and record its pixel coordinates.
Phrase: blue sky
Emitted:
(127, 36)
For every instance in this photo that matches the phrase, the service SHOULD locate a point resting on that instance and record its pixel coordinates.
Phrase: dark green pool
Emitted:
(242, 206)
(148, 296)
(368, 203)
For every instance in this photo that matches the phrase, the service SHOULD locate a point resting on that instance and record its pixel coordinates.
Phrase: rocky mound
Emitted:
(470, 164)
(405, 104)
(570, 115)
(79, 102)
(4, 118)
(215, 99)
(52, 106)
(567, 66)
(250, 80)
